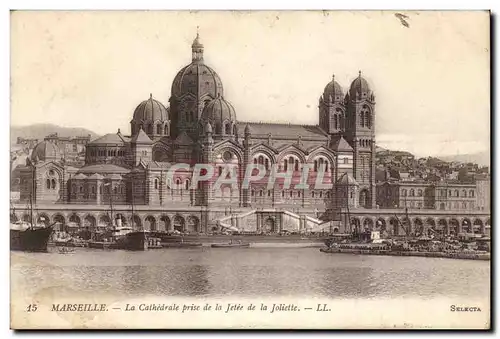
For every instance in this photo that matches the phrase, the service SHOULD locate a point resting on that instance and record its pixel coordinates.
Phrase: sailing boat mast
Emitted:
(348, 213)
(33, 186)
(132, 202)
(111, 204)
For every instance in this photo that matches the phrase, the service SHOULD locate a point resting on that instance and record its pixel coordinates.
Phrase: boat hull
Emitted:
(449, 255)
(133, 241)
(180, 244)
(229, 245)
(30, 240)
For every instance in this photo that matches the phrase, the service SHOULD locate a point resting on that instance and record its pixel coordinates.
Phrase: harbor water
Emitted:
(249, 272)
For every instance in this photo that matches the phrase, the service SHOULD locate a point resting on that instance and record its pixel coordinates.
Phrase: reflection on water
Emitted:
(251, 272)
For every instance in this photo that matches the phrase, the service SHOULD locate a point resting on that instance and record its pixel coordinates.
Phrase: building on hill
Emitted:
(27, 143)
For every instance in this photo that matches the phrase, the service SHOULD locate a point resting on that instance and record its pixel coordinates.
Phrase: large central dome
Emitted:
(197, 78)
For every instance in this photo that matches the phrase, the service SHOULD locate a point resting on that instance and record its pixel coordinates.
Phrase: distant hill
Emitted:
(40, 131)
(481, 158)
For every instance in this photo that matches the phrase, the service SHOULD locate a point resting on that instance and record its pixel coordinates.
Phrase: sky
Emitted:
(91, 69)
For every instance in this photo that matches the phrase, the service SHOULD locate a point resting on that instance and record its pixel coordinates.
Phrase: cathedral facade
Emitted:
(200, 126)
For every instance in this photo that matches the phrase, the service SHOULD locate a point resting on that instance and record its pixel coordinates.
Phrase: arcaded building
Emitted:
(127, 174)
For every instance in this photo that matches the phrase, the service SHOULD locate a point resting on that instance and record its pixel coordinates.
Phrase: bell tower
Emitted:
(360, 133)
(332, 109)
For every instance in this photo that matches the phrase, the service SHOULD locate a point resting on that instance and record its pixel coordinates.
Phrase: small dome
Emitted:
(333, 90)
(217, 112)
(196, 42)
(46, 151)
(359, 85)
(150, 110)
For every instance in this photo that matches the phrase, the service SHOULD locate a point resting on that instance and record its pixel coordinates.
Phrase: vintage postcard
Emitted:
(250, 170)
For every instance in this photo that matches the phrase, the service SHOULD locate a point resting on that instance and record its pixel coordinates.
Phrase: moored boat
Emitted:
(181, 244)
(29, 238)
(230, 245)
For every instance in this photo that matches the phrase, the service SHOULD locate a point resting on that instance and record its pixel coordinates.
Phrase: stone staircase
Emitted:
(271, 220)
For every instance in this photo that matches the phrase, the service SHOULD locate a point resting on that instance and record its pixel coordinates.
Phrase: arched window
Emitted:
(156, 184)
(464, 205)
(285, 165)
(178, 183)
(368, 119)
(321, 194)
(227, 129)
(290, 161)
(268, 193)
(291, 194)
(464, 193)
(158, 129)
(335, 121)
(255, 161)
(315, 165)
(362, 118)
(326, 166)
(404, 192)
(298, 194)
(48, 183)
(449, 193)
(267, 164)
(419, 193)
(234, 129)
(261, 160)
(253, 193)
(261, 193)
(100, 189)
(81, 189)
(412, 192)
(471, 194)
(296, 166)
(93, 189)
(456, 193)
(328, 194)
(186, 184)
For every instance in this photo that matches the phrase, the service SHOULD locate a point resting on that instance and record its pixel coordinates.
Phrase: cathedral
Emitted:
(200, 125)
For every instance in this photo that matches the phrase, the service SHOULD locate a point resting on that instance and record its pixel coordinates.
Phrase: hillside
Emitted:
(40, 131)
(482, 158)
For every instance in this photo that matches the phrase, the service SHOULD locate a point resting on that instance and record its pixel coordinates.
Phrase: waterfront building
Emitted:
(200, 125)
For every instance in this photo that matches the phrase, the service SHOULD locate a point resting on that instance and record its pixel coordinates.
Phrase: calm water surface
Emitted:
(250, 272)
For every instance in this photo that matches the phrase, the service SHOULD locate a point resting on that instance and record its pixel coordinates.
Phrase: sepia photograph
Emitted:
(250, 170)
